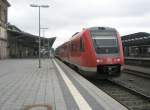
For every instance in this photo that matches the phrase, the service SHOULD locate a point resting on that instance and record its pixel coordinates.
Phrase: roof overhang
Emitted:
(29, 39)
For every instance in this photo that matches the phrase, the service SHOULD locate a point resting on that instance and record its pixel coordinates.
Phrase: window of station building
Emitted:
(139, 51)
(0, 32)
(0, 12)
(134, 51)
(81, 45)
(3, 15)
(145, 51)
(148, 49)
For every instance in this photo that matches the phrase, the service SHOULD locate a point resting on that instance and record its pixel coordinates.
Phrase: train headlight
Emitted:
(99, 61)
(118, 59)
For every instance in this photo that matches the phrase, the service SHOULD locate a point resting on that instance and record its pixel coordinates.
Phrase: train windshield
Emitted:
(105, 42)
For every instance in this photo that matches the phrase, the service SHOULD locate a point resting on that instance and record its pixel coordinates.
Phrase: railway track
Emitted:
(145, 75)
(131, 96)
(125, 95)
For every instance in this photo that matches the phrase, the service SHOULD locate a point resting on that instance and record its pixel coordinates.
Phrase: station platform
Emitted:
(137, 68)
(23, 86)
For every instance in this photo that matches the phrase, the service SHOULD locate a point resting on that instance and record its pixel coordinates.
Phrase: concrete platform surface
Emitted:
(23, 86)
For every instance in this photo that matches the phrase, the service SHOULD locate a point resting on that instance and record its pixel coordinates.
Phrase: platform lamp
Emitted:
(39, 6)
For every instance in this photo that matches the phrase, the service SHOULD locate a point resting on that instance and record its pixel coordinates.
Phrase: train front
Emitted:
(108, 49)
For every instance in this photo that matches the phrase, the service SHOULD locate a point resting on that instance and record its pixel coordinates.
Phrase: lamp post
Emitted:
(39, 6)
(43, 31)
(47, 39)
(48, 49)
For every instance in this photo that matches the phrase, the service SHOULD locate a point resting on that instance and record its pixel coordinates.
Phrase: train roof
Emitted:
(91, 29)
(102, 28)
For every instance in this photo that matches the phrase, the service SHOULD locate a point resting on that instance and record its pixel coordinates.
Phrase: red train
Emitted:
(94, 51)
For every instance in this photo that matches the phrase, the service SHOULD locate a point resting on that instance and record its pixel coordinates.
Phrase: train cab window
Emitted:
(81, 45)
(105, 42)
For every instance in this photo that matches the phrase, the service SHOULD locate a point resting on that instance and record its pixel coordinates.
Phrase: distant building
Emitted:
(3, 29)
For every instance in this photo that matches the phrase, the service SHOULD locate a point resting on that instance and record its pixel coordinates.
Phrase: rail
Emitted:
(137, 61)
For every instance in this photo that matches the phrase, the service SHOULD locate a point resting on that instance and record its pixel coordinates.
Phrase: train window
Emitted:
(81, 45)
(72, 47)
(105, 42)
(145, 51)
(75, 47)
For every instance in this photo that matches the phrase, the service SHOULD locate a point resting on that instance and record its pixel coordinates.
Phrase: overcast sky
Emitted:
(65, 17)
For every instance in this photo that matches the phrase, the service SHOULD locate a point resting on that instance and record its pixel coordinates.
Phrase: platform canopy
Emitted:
(15, 34)
(141, 38)
(25, 45)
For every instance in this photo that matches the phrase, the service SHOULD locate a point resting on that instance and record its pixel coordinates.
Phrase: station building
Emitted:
(3, 29)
